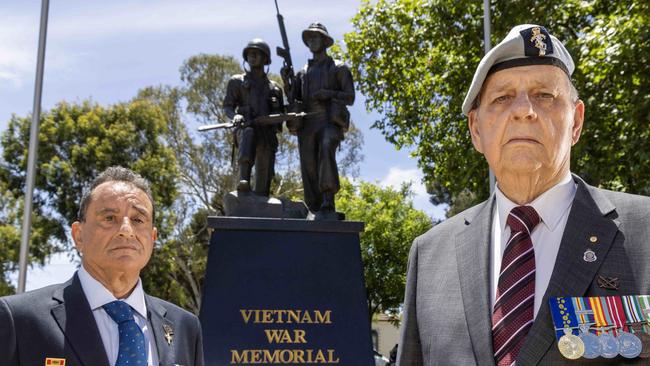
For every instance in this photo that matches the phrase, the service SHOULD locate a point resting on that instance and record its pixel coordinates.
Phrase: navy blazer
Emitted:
(57, 322)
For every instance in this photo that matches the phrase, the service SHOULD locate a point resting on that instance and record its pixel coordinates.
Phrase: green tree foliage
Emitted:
(391, 225)
(614, 68)
(76, 142)
(176, 270)
(10, 216)
(414, 60)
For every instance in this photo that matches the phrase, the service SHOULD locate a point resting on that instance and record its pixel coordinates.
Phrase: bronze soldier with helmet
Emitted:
(248, 96)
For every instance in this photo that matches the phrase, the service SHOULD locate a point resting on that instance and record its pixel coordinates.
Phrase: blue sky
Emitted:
(107, 50)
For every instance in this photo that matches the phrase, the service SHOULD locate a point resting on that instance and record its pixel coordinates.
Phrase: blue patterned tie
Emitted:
(132, 349)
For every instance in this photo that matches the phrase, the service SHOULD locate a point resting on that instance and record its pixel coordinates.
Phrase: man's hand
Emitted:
(239, 120)
(285, 73)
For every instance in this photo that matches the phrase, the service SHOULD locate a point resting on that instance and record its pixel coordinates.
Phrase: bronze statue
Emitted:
(249, 98)
(323, 89)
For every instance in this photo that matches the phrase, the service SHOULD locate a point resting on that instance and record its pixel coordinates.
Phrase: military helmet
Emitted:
(320, 29)
(258, 44)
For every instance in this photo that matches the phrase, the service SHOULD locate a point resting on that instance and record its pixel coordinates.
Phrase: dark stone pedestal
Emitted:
(285, 291)
(251, 205)
(238, 204)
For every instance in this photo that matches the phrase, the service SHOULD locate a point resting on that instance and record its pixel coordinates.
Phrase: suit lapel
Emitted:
(159, 322)
(572, 276)
(473, 258)
(78, 324)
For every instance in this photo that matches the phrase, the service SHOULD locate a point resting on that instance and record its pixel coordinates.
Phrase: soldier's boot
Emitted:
(244, 185)
(327, 210)
(328, 201)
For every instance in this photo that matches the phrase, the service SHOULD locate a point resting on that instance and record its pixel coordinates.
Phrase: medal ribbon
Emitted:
(599, 315)
(579, 310)
(615, 305)
(644, 305)
(564, 315)
(583, 309)
(632, 309)
(606, 312)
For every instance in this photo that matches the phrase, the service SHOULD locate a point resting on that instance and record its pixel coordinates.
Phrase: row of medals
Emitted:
(589, 345)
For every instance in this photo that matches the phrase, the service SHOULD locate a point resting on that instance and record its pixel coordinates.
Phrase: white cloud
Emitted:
(80, 23)
(121, 17)
(396, 176)
(17, 52)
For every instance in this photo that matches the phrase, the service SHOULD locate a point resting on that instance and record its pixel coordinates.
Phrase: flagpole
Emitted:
(487, 46)
(33, 149)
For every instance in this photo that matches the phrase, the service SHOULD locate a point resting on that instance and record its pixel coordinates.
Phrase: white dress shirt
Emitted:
(553, 208)
(98, 296)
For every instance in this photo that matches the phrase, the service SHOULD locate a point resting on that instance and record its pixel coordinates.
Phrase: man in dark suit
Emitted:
(479, 283)
(102, 317)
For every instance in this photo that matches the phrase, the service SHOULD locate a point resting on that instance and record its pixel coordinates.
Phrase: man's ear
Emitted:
(75, 231)
(578, 121)
(154, 234)
(472, 122)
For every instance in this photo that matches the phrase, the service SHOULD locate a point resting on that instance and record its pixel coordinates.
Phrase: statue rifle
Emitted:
(272, 119)
(285, 53)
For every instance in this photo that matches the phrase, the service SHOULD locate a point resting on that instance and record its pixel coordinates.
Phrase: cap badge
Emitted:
(538, 39)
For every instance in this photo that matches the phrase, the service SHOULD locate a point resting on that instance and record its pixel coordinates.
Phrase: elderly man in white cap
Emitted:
(479, 284)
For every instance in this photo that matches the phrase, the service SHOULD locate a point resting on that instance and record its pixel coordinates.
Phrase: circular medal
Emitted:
(608, 345)
(571, 346)
(592, 345)
(645, 348)
(645, 341)
(629, 345)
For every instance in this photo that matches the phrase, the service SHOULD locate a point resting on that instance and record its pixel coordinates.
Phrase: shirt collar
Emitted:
(98, 296)
(550, 205)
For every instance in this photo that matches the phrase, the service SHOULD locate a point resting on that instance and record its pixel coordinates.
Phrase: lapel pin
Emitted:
(589, 256)
(593, 239)
(169, 333)
(608, 283)
(50, 361)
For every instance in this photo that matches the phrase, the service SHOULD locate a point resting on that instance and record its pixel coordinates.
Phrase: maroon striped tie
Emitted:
(515, 299)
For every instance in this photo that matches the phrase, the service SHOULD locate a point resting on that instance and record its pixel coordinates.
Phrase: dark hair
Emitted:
(115, 174)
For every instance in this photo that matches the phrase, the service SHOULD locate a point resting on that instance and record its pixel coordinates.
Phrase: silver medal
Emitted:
(592, 345)
(629, 345)
(608, 345)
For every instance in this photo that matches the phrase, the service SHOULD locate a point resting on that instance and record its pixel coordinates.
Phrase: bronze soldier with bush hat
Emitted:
(323, 89)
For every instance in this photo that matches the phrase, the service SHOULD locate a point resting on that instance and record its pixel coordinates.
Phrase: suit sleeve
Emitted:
(410, 348)
(198, 357)
(7, 336)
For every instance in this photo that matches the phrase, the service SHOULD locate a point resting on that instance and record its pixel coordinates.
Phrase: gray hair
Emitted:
(115, 174)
